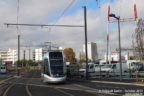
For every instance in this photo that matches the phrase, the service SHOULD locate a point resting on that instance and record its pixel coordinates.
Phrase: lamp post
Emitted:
(118, 18)
(86, 53)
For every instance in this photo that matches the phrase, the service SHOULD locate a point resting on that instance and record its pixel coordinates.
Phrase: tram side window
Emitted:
(46, 67)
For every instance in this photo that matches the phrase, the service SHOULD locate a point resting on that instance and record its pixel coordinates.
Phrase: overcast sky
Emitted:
(49, 11)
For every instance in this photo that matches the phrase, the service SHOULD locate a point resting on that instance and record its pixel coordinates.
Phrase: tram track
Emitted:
(61, 91)
(34, 75)
(8, 86)
(51, 86)
(7, 89)
(27, 86)
(3, 87)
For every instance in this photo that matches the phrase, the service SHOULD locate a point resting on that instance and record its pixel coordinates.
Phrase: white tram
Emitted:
(54, 67)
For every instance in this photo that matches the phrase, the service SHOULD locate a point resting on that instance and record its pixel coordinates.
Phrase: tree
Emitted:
(132, 58)
(29, 62)
(90, 60)
(70, 55)
(82, 57)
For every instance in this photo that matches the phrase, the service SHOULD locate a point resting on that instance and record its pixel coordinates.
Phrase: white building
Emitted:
(9, 55)
(38, 54)
(92, 51)
(114, 57)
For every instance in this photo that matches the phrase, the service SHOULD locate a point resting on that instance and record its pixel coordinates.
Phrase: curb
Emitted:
(121, 83)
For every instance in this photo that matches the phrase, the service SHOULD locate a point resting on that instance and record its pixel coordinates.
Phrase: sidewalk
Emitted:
(124, 80)
(131, 81)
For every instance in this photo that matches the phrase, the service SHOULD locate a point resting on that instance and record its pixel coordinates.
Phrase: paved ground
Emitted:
(5, 76)
(30, 85)
(124, 80)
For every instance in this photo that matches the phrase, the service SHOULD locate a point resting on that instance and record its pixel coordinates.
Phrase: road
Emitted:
(31, 85)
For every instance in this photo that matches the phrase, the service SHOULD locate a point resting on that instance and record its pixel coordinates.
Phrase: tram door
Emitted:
(46, 67)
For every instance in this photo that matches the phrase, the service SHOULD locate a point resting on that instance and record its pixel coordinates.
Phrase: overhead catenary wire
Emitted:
(125, 20)
(42, 25)
(129, 38)
(18, 16)
(18, 29)
(65, 10)
(99, 2)
(62, 14)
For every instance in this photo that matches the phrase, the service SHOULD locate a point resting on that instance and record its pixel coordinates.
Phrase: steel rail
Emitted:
(8, 86)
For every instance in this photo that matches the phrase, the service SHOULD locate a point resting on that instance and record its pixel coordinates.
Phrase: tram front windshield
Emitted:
(56, 63)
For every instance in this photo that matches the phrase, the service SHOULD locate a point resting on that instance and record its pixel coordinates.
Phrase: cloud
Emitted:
(41, 11)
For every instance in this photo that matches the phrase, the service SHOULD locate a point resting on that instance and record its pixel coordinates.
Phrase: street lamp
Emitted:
(85, 28)
(118, 18)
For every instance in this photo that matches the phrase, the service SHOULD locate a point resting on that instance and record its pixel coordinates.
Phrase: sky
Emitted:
(51, 12)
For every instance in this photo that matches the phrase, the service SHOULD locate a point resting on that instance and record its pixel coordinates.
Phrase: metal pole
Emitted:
(50, 45)
(29, 56)
(128, 56)
(18, 55)
(107, 52)
(107, 43)
(85, 21)
(29, 52)
(119, 49)
(24, 59)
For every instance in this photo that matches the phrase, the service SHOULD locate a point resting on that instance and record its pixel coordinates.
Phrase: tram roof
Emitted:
(54, 50)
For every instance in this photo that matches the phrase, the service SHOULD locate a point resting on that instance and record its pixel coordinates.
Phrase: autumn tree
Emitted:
(70, 55)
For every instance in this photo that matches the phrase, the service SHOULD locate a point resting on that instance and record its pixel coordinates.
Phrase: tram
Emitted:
(54, 67)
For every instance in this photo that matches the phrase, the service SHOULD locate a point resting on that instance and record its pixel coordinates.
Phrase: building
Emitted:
(38, 54)
(8, 56)
(114, 57)
(92, 51)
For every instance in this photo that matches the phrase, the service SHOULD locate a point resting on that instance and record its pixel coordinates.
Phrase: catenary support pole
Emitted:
(85, 21)
(18, 63)
(119, 49)
(24, 59)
